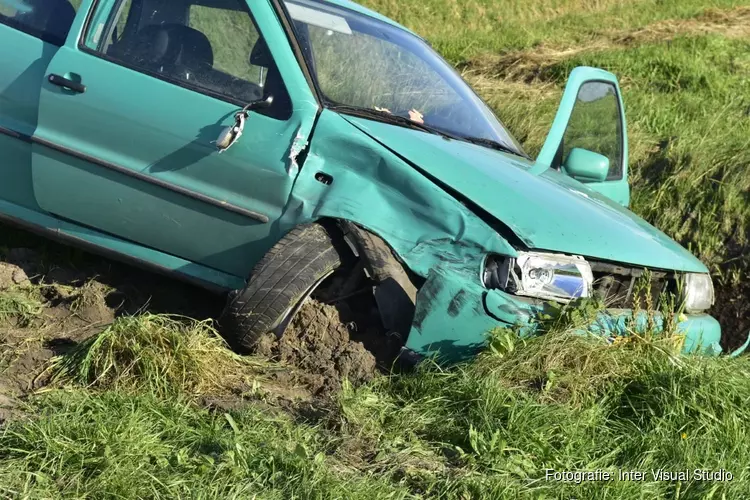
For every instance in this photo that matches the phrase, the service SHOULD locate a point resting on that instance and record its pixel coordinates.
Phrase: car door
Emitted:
(130, 111)
(591, 119)
(30, 33)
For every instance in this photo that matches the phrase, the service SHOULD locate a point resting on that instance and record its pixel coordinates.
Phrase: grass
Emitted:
(20, 304)
(158, 354)
(487, 429)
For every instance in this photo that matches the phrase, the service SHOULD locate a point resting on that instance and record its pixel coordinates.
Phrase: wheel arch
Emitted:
(396, 285)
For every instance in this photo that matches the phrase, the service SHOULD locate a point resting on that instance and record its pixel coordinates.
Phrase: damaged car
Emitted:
(276, 150)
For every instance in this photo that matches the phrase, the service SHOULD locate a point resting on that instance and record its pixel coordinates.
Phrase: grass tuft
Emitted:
(22, 304)
(160, 354)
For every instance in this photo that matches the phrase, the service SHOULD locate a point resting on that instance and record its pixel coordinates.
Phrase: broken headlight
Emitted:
(541, 275)
(698, 292)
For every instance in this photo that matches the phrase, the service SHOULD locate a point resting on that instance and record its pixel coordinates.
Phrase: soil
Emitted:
(327, 344)
(74, 296)
(68, 316)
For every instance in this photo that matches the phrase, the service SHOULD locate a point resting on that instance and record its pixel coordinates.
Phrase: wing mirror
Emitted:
(232, 134)
(586, 166)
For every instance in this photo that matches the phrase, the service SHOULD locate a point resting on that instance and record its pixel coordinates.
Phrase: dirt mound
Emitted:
(326, 344)
(52, 299)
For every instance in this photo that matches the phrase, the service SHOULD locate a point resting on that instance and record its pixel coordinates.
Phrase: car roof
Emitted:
(347, 4)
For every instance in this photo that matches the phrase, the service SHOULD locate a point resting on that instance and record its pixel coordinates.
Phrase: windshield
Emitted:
(360, 62)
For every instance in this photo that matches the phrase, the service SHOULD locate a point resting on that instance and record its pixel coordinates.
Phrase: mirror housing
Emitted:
(586, 166)
(260, 55)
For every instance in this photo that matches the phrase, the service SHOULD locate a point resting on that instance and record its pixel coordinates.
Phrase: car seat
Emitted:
(175, 50)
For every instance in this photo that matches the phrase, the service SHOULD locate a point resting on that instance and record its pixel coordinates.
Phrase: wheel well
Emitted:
(396, 286)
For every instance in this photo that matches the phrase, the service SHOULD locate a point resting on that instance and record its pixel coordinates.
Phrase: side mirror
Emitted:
(260, 55)
(232, 134)
(586, 166)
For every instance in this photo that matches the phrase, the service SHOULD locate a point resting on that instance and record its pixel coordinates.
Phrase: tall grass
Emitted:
(486, 429)
(462, 30)
(157, 354)
(112, 445)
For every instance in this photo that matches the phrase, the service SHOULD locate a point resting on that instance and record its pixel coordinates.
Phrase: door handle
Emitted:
(65, 83)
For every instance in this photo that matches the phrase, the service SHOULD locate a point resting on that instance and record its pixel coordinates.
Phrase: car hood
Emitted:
(546, 209)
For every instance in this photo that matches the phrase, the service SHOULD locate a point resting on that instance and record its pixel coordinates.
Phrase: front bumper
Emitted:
(454, 316)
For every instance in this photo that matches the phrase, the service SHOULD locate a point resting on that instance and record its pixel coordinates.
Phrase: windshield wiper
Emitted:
(406, 122)
(493, 144)
(390, 118)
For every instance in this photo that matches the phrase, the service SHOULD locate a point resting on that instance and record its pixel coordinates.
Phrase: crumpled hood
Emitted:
(547, 211)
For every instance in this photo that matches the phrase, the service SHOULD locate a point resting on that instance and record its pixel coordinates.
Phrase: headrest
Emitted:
(171, 44)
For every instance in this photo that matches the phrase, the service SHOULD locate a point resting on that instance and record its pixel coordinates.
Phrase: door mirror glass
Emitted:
(587, 166)
(595, 126)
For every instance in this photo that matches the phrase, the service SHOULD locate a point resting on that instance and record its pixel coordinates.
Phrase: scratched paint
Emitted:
(298, 145)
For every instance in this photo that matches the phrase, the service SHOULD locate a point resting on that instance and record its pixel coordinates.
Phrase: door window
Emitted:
(49, 20)
(212, 46)
(595, 125)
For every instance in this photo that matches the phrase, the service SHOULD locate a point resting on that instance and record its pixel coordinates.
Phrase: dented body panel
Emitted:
(379, 191)
(454, 318)
(547, 210)
(441, 240)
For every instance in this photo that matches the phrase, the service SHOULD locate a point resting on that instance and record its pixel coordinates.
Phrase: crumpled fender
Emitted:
(346, 175)
(374, 188)
(454, 316)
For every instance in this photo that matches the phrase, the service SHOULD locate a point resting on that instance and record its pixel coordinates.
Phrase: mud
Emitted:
(325, 344)
(54, 297)
(732, 309)
(74, 295)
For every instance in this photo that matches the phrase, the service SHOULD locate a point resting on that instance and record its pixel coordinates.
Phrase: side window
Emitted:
(49, 20)
(233, 36)
(595, 125)
(211, 46)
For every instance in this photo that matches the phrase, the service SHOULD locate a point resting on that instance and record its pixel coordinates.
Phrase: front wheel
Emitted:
(279, 284)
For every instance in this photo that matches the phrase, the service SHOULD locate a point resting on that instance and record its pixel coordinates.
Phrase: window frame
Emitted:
(160, 76)
(620, 127)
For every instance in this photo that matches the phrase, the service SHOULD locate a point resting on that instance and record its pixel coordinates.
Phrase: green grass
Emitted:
(487, 429)
(111, 445)
(157, 354)
(461, 30)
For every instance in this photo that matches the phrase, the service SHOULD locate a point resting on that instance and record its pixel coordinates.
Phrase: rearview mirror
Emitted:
(586, 166)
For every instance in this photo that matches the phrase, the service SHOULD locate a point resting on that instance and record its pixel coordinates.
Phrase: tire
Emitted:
(279, 283)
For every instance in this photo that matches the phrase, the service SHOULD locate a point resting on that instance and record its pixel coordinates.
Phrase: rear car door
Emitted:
(31, 31)
(129, 112)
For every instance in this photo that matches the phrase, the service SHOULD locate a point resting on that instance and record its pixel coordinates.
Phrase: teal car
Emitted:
(277, 149)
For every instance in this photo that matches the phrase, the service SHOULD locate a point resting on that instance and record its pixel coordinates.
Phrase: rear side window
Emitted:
(49, 20)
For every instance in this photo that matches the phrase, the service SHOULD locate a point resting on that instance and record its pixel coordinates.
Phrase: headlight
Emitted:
(541, 275)
(698, 293)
